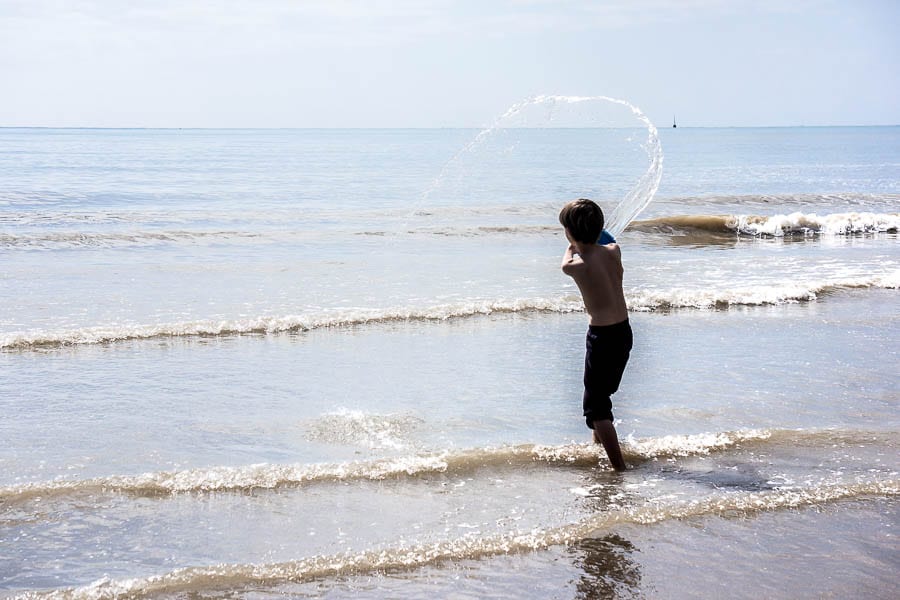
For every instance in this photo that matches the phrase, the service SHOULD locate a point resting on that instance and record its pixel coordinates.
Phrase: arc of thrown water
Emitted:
(637, 198)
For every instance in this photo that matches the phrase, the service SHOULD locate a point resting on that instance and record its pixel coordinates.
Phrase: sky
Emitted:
(443, 63)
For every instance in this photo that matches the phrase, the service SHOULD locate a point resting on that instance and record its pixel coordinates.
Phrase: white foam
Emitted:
(693, 444)
(753, 295)
(810, 224)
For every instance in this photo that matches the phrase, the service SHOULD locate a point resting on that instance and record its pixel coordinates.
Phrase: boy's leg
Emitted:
(605, 433)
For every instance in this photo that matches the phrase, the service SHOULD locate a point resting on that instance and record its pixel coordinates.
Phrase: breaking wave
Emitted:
(781, 225)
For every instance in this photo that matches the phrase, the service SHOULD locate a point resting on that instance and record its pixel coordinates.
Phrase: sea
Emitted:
(345, 363)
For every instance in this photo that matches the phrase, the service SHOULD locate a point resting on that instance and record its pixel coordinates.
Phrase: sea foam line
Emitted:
(289, 323)
(267, 476)
(753, 295)
(641, 300)
(471, 547)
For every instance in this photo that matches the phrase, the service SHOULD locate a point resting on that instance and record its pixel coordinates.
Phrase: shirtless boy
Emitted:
(597, 270)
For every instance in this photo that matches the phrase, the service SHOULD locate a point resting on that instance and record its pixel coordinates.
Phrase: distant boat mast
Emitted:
(674, 125)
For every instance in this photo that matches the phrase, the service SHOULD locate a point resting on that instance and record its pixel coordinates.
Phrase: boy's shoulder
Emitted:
(608, 256)
(612, 248)
(602, 256)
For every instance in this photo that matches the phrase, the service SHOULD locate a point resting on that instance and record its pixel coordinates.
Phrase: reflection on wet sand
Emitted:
(606, 563)
(608, 568)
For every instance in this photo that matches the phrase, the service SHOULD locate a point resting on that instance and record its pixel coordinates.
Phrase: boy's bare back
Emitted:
(597, 270)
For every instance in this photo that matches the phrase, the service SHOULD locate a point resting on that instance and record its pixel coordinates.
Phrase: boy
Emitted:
(597, 270)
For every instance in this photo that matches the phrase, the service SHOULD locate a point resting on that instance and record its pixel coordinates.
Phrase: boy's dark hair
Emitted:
(584, 220)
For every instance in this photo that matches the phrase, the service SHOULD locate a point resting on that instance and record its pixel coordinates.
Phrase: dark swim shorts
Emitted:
(608, 348)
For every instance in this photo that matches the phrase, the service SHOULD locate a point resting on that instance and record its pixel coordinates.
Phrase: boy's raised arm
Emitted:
(571, 260)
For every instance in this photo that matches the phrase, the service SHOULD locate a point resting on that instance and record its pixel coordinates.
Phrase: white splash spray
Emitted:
(634, 201)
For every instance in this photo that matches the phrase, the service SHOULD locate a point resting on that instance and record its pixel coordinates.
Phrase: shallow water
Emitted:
(218, 383)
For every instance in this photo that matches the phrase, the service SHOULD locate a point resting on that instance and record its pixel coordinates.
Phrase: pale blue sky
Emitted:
(443, 63)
